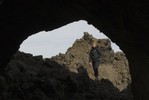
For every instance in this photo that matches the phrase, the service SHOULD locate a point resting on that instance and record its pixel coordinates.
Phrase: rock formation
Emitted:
(67, 76)
(114, 66)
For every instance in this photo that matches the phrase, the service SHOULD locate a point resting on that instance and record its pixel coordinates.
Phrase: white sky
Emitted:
(59, 40)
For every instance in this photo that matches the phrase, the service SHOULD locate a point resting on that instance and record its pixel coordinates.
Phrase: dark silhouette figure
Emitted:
(94, 58)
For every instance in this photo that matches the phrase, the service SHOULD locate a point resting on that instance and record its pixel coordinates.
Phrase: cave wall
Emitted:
(125, 22)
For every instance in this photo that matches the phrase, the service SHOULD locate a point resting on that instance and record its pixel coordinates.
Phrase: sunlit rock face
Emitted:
(125, 22)
(113, 66)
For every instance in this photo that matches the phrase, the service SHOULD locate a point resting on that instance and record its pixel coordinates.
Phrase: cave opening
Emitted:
(57, 42)
(114, 69)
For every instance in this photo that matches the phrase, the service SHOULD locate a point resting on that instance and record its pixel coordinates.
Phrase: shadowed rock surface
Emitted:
(29, 77)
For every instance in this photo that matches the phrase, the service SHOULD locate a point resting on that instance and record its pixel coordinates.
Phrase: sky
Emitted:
(57, 41)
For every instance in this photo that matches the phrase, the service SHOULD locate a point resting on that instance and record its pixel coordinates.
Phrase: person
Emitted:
(94, 58)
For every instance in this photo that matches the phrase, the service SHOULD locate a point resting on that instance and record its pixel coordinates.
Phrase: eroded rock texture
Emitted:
(125, 22)
(114, 66)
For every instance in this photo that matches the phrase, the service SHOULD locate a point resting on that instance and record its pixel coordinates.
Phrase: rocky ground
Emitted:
(67, 76)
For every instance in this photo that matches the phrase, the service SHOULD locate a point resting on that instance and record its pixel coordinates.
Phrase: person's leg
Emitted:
(95, 67)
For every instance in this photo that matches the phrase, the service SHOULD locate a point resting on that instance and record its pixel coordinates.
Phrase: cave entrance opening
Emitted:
(56, 42)
(114, 66)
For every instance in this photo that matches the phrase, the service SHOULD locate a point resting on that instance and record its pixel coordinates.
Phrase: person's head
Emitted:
(94, 43)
